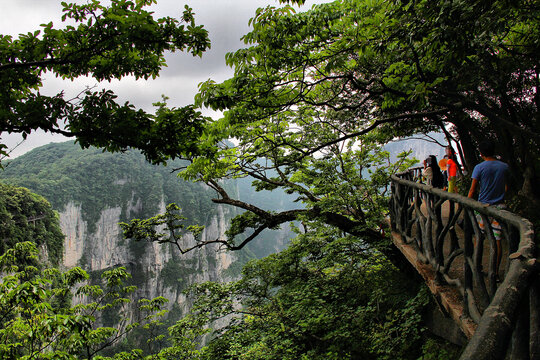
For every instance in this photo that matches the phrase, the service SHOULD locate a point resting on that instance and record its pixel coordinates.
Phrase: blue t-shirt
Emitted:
(492, 178)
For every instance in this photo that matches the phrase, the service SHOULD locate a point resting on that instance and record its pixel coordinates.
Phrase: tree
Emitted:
(38, 322)
(105, 42)
(478, 62)
(327, 296)
(314, 93)
(346, 188)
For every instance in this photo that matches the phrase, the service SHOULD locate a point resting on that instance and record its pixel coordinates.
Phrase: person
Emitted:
(432, 172)
(443, 164)
(489, 178)
(452, 168)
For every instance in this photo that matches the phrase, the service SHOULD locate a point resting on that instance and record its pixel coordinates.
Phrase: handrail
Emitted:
(453, 245)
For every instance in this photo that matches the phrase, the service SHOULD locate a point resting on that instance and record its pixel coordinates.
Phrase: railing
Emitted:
(493, 270)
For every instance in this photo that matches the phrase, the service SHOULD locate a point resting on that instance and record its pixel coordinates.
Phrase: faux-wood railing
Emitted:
(445, 232)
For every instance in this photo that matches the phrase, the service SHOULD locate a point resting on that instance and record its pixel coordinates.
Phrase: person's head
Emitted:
(451, 153)
(487, 148)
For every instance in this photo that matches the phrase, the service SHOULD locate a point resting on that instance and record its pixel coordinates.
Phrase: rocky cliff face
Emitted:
(420, 149)
(105, 248)
(93, 191)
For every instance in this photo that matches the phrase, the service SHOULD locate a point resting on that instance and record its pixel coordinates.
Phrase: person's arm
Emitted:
(472, 190)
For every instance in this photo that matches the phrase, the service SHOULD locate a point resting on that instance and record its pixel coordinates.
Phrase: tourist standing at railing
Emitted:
(432, 172)
(452, 169)
(443, 165)
(490, 178)
(490, 175)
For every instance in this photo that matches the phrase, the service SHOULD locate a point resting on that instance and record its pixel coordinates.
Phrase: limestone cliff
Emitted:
(105, 247)
(94, 191)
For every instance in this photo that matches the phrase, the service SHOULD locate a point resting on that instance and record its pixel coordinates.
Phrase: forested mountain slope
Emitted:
(93, 191)
(25, 216)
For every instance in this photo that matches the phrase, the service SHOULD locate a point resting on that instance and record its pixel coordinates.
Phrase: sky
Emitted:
(226, 21)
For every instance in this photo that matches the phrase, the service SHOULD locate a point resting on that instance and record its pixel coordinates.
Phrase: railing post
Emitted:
(393, 207)
(439, 242)
(534, 311)
(519, 344)
(467, 254)
(399, 206)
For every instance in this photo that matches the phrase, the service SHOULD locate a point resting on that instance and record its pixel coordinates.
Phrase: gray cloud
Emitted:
(226, 21)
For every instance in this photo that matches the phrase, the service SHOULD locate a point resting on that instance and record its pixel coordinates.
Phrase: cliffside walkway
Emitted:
(498, 310)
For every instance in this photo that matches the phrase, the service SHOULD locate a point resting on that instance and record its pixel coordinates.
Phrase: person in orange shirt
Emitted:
(452, 169)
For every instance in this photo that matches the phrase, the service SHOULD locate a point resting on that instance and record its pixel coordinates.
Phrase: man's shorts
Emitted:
(495, 226)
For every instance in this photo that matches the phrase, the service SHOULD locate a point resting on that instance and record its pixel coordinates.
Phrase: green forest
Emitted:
(64, 172)
(315, 96)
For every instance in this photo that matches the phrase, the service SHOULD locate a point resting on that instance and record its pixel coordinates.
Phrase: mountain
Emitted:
(93, 191)
(421, 147)
(25, 216)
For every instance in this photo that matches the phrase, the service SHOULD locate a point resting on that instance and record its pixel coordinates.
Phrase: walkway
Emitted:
(440, 235)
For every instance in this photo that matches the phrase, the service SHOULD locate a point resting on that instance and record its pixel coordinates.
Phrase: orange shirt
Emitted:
(452, 168)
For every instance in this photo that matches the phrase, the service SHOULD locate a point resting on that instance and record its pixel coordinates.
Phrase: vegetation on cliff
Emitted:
(25, 216)
(37, 320)
(63, 173)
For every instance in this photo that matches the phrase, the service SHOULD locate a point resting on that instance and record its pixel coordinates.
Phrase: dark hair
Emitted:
(438, 178)
(487, 148)
(453, 156)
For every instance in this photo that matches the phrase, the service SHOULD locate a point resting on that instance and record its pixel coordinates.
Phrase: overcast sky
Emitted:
(226, 21)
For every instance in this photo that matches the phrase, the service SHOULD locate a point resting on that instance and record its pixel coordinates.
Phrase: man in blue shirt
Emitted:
(491, 176)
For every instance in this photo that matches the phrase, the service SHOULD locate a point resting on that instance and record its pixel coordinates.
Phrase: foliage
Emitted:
(433, 350)
(314, 93)
(172, 221)
(25, 216)
(38, 322)
(327, 296)
(98, 180)
(346, 185)
(104, 42)
(175, 272)
(313, 97)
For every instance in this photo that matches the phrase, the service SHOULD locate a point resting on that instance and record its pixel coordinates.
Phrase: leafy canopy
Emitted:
(327, 296)
(316, 94)
(37, 320)
(105, 42)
